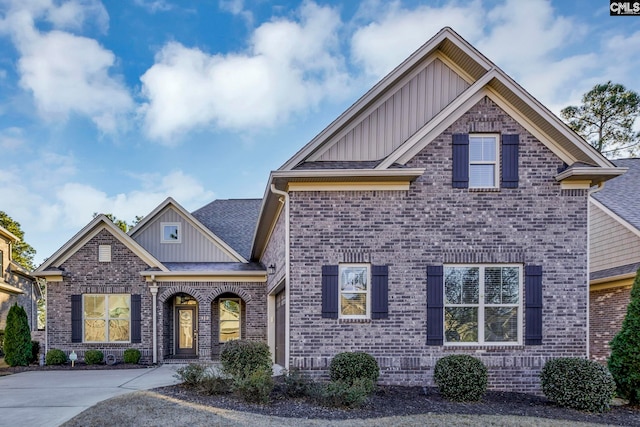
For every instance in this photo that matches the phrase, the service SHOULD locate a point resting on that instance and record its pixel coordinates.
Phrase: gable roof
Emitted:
(620, 195)
(9, 235)
(233, 220)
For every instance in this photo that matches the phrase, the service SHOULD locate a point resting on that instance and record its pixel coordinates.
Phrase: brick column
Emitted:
(204, 331)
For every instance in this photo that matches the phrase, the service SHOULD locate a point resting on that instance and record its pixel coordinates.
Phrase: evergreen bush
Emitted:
(17, 337)
(1, 342)
(342, 394)
(349, 367)
(241, 358)
(35, 351)
(296, 384)
(213, 384)
(56, 357)
(255, 387)
(461, 377)
(624, 362)
(578, 383)
(191, 374)
(132, 355)
(93, 357)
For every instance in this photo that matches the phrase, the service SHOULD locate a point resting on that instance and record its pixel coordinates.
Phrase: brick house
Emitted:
(614, 217)
(444, 212)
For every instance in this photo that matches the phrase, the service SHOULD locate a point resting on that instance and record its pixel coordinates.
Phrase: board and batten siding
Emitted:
(400, 116)
(194, 247)
(612, 244)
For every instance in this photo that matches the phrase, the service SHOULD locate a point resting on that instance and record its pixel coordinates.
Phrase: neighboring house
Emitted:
(614, 255)
(17, 285)
(445, 212)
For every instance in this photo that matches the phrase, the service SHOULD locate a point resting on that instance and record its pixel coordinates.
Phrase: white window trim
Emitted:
(171, 224)
(239, 301)
(496, 162)
(106, 319)
(481, 305)
(367, 315)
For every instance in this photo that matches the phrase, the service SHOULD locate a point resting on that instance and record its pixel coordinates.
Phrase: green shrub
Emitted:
(214, 385)
(342, 394)
(35, 351)
(132, 355)
(93, 357)
(296, 384)
(578, 383)
(461, 377)
(1, 342)
(349, 367)
(255, 387)
(191, 374)
(241, 358)
(624, 363)
(56, 357)
(17, 337)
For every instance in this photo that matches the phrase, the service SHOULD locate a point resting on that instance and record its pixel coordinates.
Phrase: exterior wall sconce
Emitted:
(271, 270)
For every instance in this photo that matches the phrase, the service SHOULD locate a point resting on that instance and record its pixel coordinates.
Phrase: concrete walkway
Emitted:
(49, 398)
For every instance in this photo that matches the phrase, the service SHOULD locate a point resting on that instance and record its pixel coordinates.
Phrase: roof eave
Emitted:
(595, 175)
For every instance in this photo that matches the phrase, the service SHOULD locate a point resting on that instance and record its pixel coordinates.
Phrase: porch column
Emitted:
(204, 331)
(154, 313)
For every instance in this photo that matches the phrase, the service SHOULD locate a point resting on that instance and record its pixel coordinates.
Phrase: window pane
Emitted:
(482, 149)
(461, 324)
(229, 320)
(353, 304)
(118, 330)
(119, 306)
(354, 279)
(94, 306)
(95, 330)
(482, 175)
(501, 324)
(501, 285)
(461, 285)
(170, 232)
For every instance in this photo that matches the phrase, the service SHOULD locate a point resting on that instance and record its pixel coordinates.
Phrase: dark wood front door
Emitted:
(186, 332)
(280, 327)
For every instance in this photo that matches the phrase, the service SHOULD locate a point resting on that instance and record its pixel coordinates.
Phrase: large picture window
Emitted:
(354, 291)
(482, 304)
(106, 318)
(483, 164)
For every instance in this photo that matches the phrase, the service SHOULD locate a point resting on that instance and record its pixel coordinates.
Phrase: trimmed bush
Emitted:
(255, 387)
(578, 383)
(191, 374)
(56, 357)
(93, 357)
(348, 367)
(241, 358)
(342, 394)
(461, 378)
(17, 337)
(624, 363)
(132, 355)
(35, 351)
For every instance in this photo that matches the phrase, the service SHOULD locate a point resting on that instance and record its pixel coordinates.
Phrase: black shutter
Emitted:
(76, 318)
(379, 292)
(533, 304)
(435, 306)
(330, 291)
(460, 160)
(136, 318)
(510, 144)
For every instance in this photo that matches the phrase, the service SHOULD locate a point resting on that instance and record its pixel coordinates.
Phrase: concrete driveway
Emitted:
(49, 398)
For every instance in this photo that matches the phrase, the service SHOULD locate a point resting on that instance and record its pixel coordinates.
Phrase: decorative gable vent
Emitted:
(104, 253)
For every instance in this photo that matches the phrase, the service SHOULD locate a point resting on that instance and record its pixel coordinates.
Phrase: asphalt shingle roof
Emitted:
(233, 220)
(622, 194)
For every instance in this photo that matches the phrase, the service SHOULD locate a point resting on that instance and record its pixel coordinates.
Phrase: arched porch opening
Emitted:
(180, 326)
(228, 311)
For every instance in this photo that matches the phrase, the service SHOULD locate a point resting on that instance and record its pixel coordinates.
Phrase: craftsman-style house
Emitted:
(444, 212)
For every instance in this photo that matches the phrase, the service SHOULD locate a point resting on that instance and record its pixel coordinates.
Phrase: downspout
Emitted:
(285, 199)
(154, 301)
(591, 192)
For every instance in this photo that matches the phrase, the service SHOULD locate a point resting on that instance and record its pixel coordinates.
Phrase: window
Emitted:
(354, 291)
(482, 304)
(171, 232)
(229, 319)
(106, 318)
(483, 155)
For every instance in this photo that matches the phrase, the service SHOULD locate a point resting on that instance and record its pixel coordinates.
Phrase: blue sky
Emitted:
(113, 106)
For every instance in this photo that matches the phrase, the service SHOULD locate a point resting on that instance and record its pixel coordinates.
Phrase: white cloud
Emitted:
(154, 6)
(289, 68)
(236, 7)
(11, 138)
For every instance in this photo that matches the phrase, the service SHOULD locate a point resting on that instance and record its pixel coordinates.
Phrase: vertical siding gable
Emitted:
(400, 116)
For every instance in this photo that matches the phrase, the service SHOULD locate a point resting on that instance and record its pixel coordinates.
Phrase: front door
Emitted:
(186, 332)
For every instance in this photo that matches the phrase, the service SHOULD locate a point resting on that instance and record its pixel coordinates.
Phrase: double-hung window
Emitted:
(483, 161)
(482, 304)
(354, 291)
(107, 317)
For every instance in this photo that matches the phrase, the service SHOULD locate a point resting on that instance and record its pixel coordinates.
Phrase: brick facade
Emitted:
(433, 223)
(607, 309)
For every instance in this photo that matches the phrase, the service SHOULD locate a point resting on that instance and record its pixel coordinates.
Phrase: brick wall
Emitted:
(433, 223)
(607, 309)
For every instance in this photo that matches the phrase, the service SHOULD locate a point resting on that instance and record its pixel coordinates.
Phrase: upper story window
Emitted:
(106, 318)
(482, 304)
(354, 291)
(171, 232)
(483, 163)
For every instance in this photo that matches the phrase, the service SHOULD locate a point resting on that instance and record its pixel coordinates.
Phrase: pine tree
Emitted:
(624, 363)
(17, 337)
